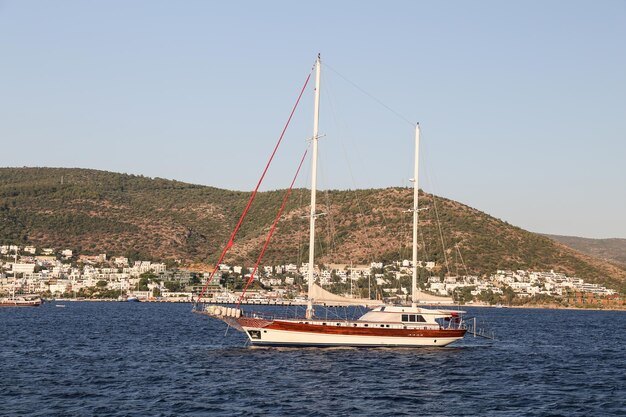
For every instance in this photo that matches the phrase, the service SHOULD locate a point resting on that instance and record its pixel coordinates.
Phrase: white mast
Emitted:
(415, 214)
(316, 117)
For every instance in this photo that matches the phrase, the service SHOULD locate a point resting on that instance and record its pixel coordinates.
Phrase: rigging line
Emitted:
(328, 219)
(318, 239)
(328, 214)
(302, 226)
(368, 241)
(430, 272)
(402, 237)
(405, 235)
(462, 261)
(334, 118)
(330, 229)
(331, 224)
(370, 95)
(423, 243)
(341, 134)
(245, 212)
(299, 253)
(271, 232)
(443, 245)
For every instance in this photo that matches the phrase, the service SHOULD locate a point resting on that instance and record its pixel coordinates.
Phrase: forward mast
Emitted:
(316, 121)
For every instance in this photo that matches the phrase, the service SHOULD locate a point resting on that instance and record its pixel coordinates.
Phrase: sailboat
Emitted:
(20, 301)
(382, 326)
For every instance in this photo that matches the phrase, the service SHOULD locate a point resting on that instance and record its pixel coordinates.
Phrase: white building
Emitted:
(120, 261)
(23, 268)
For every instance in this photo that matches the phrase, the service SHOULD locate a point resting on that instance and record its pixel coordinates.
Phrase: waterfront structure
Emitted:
(57, 278)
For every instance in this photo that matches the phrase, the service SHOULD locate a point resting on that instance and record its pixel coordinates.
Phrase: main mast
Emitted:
(316, 119)
(415, 214)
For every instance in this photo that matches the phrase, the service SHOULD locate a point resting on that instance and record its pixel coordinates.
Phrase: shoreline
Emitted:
(549, 307)
(536, 307)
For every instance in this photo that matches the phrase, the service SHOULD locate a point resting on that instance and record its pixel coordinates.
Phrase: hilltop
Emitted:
(613, 250)
(102, 212)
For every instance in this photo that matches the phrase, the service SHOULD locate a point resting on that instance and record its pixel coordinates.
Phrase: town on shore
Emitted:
(63, 273)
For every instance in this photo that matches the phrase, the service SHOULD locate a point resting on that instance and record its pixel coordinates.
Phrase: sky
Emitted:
(522, 105)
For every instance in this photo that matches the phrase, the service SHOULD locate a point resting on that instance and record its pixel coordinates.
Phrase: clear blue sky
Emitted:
(522, 104)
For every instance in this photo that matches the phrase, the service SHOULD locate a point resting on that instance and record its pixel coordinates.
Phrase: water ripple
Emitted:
(128, 359)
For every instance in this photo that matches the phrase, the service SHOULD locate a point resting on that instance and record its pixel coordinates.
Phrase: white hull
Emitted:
(407, 327)
(19, 302)
(286, 338)
(261, 336)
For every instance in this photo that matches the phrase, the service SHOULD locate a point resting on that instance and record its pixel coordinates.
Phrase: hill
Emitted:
(613, 250)
(119, 214)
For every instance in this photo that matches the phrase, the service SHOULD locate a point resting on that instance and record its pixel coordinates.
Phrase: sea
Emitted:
(160, 359)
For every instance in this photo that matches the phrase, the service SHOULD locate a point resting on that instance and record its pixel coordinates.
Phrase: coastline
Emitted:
(530, 306)
(549, 307)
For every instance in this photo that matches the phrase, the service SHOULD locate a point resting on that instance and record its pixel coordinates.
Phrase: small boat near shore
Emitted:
(21, 301)
(128, 299)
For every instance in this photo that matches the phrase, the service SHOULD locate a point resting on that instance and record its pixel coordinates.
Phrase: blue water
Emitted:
(140, 359)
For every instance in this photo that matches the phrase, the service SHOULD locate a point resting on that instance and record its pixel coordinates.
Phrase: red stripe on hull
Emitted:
(361, 331)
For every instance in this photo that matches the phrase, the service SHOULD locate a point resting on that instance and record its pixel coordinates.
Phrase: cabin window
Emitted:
(355, 324)
(382, 325)
(413, 318)
(382, 308)
(338, 324)
(365, 325)
(323, 324)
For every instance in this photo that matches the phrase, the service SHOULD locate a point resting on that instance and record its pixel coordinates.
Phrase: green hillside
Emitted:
(613, 250)
(102, 212)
